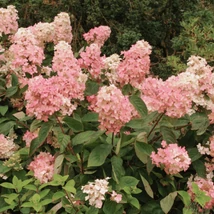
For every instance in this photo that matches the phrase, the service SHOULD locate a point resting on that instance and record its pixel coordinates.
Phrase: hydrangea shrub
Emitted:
(89, 133)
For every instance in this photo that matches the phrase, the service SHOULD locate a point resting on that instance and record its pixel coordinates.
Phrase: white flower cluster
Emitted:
(96, 192)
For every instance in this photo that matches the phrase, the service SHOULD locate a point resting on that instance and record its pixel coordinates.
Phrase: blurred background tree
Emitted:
(176, 29)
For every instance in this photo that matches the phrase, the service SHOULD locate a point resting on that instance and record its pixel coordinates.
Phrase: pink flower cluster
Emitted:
(173, 96)
(8, 147)
(29, 136)
(8, 23)
(135, 65)
(96, 192)
(47, 96)
(26, 51)
(43, 167)
(97, 35)
(43, 97)
(206, 186)
(181, 94)
(62, 28)
(113, 107)
(92, 61)
(172, 158)
(43, 32)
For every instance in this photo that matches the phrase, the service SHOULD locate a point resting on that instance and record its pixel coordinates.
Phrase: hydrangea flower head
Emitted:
(8, 147)
(172, 158)
(96, 191)
(113, 107)
(62, 28)
(97, 35)
(135, 65)
(26, 51)
(8, 23)
(92, 60)
(43, 167)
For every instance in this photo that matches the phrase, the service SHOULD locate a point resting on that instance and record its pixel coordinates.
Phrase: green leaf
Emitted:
(3, 110)
(128, 181)
(139, 105)
(11, 91)
(147, 187)
(35, 199)
(17, 183)
(43, 193)
(6, 127)
(58, 195)
(142, 137)
(117, 168)
(35, 125)
(188, 210)
(3, 168)
(194, 154)
(43, 133)
(7, 185)
(168, 134)
(143, 150)
(135, 124)
(167, 202)
(92, 210)
(200, 168)
(91, 88)
(63, 141)
(151, 207)
(14, 80)
(99, 154)
(46, 202)
(58, 163)
(133, 201)
(70, 186)
(110, 207)
(200, 196)
(199, 122)
(37, 207)
(34, 145)
(73, 124)
(31, 187)
(27, 204)
(90, 117)
(86, 137)
(185, 197)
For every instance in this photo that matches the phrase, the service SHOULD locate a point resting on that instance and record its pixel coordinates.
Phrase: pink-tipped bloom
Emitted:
(27, 54)
(174, 96)
(97, 35)
(43, 32)
(116, 197)
(135, 65)
(172, 158)
(43, 167)
(8, 23)
(92, 60)
(113, 107)
(62, 28)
